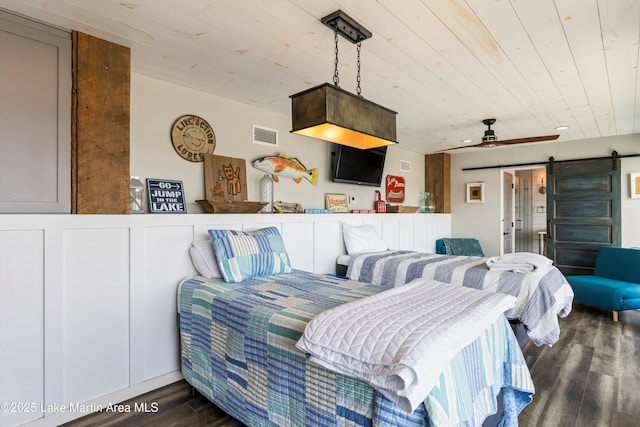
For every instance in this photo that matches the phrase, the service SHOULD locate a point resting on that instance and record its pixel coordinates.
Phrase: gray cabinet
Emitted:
(35, 117)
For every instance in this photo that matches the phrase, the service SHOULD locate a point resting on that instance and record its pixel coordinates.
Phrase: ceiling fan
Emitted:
(489, 140)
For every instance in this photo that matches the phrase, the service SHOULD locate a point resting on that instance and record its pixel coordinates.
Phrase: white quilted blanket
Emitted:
(399, 340)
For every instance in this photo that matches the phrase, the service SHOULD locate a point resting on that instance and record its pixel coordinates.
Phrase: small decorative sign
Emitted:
(192, 137)
(225, 178)
(336, 202)
(165, 196)
(395, 189)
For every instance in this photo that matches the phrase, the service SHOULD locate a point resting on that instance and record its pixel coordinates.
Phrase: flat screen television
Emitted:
(362, 167)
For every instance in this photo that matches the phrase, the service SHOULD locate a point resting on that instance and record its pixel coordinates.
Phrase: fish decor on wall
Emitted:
(287, 167)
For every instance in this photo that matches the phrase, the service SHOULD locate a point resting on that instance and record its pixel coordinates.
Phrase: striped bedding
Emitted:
(238, 349)
(541, 298)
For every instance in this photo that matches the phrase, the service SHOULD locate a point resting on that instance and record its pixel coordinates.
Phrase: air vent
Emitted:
(405, 166)
(262, 135)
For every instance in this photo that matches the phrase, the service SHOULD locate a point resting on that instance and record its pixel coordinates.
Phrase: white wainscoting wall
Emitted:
(88, 302)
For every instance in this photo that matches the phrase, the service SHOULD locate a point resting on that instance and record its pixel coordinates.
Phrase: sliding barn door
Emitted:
(583, 212)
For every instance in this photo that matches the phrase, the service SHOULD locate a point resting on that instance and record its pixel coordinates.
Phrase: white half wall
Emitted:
(88, 312)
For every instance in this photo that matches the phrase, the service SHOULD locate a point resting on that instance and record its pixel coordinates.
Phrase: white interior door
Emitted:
(508, 234)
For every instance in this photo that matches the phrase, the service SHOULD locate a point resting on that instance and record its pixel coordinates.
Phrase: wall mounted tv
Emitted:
(354, 166)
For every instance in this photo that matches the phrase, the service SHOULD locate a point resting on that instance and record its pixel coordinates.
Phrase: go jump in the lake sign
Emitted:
(166, 196)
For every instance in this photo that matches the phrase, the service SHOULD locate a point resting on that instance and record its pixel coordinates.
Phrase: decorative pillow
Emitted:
(204, 260)
(362, 238)
(241, 254)
(214, 234)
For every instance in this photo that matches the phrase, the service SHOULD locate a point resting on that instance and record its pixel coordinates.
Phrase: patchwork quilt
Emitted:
(541, 298)
(238, 349)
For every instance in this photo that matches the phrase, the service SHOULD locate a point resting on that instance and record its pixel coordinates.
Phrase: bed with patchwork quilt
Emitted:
(542, 292)
(238, 348)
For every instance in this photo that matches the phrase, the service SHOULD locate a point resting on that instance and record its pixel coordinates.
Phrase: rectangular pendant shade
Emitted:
(332, 114)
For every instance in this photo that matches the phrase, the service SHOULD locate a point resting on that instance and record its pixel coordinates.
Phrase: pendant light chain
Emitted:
(336, 79)
(358, 90)
(330, 113)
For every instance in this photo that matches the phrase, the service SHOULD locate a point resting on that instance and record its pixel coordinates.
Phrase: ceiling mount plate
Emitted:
(346, 26)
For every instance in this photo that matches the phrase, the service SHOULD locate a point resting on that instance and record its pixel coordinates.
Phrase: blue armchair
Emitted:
(615, 282)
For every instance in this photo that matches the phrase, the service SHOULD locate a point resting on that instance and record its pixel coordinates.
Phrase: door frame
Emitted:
(504, 192)
(512, 171)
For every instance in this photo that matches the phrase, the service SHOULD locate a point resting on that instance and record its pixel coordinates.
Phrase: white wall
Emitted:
(156, 104)
(483, 220)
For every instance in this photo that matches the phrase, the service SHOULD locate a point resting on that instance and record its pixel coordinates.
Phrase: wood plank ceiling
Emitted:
(443, 65)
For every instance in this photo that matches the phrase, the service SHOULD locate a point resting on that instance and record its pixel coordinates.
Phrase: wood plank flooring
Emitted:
(591, 377)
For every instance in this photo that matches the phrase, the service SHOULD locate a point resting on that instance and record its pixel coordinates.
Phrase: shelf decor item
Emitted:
(403, 209)
(395, 189)
(230, 206)
(225, 186)
(266, 193)
(287, 207)
(136, 195)
(379, 205)
(427, 204)
(336, 202)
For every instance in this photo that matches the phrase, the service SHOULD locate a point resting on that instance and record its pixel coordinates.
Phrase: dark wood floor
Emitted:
(591, 377)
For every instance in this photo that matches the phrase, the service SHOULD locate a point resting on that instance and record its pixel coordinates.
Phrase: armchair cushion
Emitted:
(618, 263)
(606, 293)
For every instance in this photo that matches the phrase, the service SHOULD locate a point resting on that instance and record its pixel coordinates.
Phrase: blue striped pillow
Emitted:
(241, 254)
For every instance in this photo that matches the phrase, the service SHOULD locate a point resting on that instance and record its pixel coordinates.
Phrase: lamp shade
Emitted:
(332, 114)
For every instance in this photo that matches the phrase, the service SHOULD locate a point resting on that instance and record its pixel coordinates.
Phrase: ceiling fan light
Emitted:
(561, 127)
(489, 136)
(330, 113)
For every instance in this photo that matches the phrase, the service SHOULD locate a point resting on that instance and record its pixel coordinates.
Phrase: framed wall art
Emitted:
(634, 185)
(475, 192)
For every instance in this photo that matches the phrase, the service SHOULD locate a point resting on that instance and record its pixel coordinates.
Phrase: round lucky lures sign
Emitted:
(192, 137)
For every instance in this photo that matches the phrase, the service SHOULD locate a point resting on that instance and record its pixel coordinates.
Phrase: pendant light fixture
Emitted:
(333, 114)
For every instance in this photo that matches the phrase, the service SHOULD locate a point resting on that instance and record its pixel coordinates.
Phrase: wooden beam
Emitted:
(100, 128)
(437, 180)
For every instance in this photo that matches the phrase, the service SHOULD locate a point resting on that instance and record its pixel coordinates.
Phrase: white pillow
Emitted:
(362, 238)
(204, 260)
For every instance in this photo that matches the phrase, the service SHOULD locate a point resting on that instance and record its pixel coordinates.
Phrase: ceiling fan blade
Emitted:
(462, 146)
(490, 144)
(529, 139)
